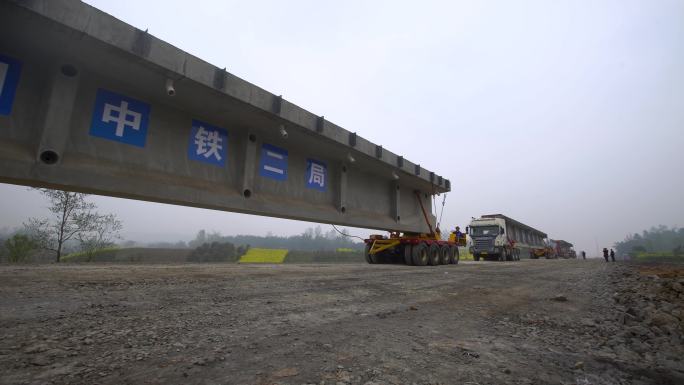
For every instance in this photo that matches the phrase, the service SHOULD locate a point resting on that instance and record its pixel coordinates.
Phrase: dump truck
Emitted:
(416, 249)
(563, 249)
(498, 237)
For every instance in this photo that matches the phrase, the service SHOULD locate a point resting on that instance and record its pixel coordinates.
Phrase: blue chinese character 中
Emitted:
(120, 118)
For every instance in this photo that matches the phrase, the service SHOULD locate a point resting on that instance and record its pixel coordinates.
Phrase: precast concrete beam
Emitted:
(89, 103)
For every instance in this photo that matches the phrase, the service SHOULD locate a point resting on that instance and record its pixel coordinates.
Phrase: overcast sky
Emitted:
(565, 115)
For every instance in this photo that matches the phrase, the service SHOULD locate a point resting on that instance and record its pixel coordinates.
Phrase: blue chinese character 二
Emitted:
(316, 174)
(10, 69)
(273, 162)
(208, 143)
(120, 118)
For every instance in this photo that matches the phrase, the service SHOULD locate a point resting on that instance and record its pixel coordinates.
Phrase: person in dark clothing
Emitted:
(605, 254)
(612, 255)
(584, 255)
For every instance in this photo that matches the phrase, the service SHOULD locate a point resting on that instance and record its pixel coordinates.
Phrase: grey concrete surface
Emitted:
(69, 128)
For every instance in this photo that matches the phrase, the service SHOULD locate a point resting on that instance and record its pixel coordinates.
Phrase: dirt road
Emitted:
(530, 322)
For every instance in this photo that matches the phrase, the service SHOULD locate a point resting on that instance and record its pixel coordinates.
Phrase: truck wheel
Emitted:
(444, 254)
(408, 254)
(453, 255)
(433, 253)
(420, 254)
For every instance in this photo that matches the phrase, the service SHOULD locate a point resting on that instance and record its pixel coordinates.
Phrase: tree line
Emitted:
(312, 239)
(75, 225)
(660, 239)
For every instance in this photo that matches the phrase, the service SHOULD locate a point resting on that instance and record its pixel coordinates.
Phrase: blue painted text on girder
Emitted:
(10, 69)
(120, 118)
(273, 162)
(208, 143)
(316, 174)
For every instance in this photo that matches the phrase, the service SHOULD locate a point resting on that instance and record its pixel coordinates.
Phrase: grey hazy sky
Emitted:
(566, 115)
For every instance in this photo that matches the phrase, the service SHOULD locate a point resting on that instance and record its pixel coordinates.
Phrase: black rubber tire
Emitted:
(433, 252)
(453, 255)
(444, 254)
(408, 254)
(420, 254)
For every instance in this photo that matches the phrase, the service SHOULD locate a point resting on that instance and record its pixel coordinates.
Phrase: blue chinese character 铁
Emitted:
(208, 143)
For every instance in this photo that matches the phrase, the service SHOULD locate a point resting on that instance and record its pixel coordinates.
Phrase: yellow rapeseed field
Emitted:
(257, 255)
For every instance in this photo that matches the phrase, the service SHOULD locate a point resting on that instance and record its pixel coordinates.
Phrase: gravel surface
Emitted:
(529, 322)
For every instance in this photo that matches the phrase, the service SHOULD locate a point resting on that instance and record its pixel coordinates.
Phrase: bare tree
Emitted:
(104, 229)
(71, 217)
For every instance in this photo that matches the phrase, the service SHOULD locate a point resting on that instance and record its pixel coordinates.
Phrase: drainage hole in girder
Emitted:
(252, 138)
(247, 193)
(49, 157)
(69, 70)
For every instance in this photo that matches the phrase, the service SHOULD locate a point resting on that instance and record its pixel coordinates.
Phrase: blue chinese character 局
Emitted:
(120, 118)
(316, 174)
(273, 162)
(208, 143)
(10, 70)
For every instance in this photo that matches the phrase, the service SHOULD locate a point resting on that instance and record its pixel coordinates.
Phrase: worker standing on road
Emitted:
(584, 255)
(612, 255)
(605, 254)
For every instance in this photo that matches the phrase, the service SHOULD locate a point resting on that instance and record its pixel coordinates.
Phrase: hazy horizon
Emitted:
(566, 116)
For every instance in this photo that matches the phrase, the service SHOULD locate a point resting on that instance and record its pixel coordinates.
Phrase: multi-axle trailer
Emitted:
(419, 249)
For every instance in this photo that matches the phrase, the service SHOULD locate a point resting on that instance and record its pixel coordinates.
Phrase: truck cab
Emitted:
(489, 238)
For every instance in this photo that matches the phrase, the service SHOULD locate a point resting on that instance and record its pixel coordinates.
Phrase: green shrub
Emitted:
(214, 252)
(19, 248)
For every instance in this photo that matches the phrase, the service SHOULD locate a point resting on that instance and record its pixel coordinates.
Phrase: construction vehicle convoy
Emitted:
(493, 237)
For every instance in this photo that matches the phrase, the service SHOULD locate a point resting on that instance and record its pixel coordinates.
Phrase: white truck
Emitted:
(498, 237)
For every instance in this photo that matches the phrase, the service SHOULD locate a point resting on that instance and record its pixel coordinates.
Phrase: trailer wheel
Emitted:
(433, 253)
(453, 255)
(444, 254)
(408, 254)
(419, 254)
